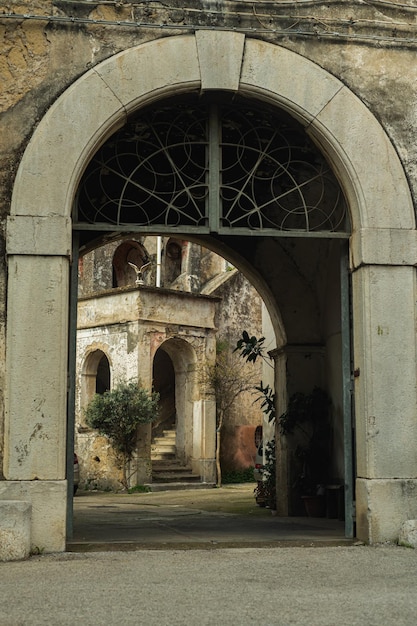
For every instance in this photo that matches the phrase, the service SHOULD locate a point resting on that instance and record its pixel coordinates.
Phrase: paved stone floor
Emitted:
(225, 517)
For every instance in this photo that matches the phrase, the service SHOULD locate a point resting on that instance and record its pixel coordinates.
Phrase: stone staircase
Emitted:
(164, 448)
(167, 472)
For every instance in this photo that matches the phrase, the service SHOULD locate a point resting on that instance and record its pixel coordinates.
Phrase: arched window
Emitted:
(95, 377)
(103, 375)
(127, 255)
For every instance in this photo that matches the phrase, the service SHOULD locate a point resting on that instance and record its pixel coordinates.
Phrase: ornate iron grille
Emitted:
(154, 171)
(212, 168)
(273, 177)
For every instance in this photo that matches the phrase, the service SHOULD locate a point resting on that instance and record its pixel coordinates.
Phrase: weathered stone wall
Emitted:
(241, 309)
(370, 47)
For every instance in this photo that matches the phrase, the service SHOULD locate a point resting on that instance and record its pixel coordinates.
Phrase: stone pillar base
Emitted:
(48, 500)
(207, 470)
(15, 520)
(382, 507)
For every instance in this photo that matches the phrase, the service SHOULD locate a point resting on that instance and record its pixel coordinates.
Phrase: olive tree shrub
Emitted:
(117, 413)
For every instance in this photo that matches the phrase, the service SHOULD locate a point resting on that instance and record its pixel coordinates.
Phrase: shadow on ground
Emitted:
(186, 519)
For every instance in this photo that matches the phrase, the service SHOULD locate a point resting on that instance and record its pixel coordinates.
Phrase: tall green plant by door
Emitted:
(251, 348)
(116, 414)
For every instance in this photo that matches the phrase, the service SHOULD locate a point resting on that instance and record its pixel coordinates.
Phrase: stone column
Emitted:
(384, 320)
(36, 361)
(145, 353)
(204, 440)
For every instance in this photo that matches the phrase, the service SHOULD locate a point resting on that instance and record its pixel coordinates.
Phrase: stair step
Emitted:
(174, 477)
(169, 433)
(169, 465)
(163, 450)
(163, 456)
(178, 486)
(160, 441)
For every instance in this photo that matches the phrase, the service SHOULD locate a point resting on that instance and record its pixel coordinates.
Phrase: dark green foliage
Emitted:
(306, 418)
(139, 489)
(250, 348)
(117, 414)
(308, 415)
(267, 400)
(303, 409)
(269, 476)
(238, 476)
(266, 491)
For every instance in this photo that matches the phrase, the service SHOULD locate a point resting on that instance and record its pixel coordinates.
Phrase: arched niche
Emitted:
(127, 255)
(95, 376)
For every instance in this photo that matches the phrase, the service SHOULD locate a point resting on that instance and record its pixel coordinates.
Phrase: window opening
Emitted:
(103, 375)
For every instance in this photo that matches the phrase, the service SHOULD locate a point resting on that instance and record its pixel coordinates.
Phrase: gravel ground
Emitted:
(285, 586)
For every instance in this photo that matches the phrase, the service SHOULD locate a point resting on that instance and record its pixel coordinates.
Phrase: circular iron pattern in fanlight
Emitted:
(171, 165)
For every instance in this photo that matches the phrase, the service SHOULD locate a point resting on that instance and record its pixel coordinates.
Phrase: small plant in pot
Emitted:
(266, 489)
(306, 420)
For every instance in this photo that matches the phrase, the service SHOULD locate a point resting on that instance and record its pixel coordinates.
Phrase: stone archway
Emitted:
(383, 251)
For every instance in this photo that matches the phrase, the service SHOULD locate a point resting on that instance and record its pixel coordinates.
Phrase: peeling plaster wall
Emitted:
(239, 310)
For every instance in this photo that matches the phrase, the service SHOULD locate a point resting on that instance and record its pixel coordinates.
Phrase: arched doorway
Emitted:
(164, 384)
(380, 208)
(223, 170)
(175, 369)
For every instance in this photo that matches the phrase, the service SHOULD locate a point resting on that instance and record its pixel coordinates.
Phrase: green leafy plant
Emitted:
(251, 348)
(266, 490)
(238, 476)
(267, 399)
(269, 475)
(116, 414)
(139, 489)
(306, 418)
